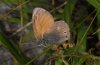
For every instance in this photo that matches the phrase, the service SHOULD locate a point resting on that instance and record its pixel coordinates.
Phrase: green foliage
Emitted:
(98, 24)
(58, 62)
(95, 3)
(68, 11)
(80, 28)
(13, 49)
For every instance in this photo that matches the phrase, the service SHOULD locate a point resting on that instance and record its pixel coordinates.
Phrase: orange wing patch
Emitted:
(42, 21)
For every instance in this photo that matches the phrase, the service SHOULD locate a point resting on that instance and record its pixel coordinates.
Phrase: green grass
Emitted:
(80, 28)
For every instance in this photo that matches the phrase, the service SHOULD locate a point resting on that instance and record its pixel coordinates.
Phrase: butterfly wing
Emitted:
(42, 21)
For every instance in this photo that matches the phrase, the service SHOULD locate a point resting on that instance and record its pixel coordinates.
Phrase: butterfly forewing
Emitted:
(42, 21)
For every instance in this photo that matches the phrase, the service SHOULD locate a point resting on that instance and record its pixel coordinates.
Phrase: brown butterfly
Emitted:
(46, 30)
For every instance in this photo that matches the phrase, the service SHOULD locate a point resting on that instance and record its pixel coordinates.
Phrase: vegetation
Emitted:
(83, 17)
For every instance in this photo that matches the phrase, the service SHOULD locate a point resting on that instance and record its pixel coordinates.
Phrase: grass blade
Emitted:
(13, 49)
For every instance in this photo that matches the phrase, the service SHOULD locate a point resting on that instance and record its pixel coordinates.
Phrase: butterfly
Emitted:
(46, 30)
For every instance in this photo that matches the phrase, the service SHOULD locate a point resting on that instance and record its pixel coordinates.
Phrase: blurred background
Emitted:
(82, 16)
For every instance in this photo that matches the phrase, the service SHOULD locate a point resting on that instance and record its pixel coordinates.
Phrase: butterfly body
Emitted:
(46, 30)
